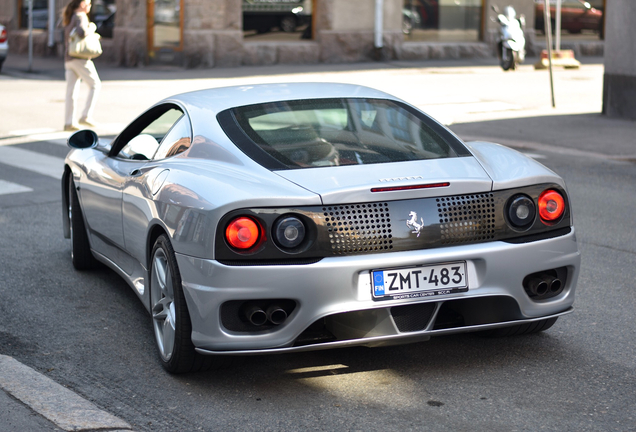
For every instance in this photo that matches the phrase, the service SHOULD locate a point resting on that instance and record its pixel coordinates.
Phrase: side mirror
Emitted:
(522, 21)
(83, 139)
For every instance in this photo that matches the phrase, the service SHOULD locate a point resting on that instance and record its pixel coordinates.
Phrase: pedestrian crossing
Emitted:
(26, 170)
(32, 161)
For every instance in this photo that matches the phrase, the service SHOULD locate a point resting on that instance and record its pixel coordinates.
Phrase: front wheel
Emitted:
(507, 59)
(81, 255)
(170, 317)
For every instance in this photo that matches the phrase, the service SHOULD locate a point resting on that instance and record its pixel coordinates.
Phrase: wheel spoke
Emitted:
(160, 271)
(161, 310)
(168, 335)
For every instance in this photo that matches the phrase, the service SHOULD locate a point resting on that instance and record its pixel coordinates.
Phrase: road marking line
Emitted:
(31, 131)
(55, 137)
(56, 403)
(7, 188)
(32, 161)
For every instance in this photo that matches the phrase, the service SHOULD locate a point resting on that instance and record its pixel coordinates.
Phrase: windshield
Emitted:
(334, 132)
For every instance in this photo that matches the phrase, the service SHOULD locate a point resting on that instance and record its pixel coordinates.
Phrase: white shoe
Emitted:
(89, 123)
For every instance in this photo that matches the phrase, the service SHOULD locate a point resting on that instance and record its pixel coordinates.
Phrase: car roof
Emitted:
(222, 98)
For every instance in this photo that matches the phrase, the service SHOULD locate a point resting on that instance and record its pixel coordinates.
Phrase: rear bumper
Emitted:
(337, 293)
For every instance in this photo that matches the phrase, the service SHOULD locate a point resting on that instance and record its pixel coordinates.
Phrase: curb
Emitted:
(59, 405)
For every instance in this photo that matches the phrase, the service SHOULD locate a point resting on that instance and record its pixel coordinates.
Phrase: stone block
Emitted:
(228, 49)
(299, 53)
(198, 49)
(413, 51)
(260, 54)
(339, 47)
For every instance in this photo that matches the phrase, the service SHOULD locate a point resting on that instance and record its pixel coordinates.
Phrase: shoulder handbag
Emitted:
(87, 47)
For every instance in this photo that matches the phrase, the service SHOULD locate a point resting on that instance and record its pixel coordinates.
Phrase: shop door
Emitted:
(165, 27)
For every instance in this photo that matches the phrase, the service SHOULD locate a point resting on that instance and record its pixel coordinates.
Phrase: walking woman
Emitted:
(75, 17)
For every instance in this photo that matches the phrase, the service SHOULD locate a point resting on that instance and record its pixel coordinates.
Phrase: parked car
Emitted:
(4, 44)
(576, 16)
(286, 15)
(293, 217)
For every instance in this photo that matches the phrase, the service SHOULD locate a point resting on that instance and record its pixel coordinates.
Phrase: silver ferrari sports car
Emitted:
(292, 217)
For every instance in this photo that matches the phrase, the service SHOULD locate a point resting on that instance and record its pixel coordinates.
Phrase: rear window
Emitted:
(334, 132)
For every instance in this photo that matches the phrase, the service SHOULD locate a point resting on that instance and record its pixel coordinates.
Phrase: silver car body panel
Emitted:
(343, 284)
(126, 201)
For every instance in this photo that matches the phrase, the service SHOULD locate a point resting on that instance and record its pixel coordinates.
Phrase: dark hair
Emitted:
(69, 10)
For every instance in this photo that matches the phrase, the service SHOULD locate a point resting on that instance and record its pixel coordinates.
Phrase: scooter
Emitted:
(511, 42)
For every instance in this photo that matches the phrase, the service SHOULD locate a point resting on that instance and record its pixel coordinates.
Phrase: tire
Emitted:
(509, 62)
(288, 24)
(81, 254)
(171, 323)
(1, 61)
(521, 329)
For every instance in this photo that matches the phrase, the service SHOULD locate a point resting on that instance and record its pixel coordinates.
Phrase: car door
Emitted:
(103, 191)
(139, 208)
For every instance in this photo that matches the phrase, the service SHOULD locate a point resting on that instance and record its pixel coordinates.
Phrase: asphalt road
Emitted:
(88, 331)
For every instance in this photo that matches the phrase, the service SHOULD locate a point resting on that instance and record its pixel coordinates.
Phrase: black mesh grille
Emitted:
(358, 227)
(410, 318)
(466, 218)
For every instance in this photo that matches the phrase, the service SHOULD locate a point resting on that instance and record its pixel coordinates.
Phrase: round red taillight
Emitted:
(551, 206)
(242, 233)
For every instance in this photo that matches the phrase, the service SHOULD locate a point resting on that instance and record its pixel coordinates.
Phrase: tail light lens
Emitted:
(242, 233)
(3, 36)
(289, 232)
(521, 211)
(551, 206)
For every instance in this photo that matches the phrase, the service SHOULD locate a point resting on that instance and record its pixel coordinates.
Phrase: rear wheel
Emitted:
(81, 254)
(521, 329)
(170, 317)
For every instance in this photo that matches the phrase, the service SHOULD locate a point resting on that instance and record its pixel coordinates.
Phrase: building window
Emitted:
(441, 20)
(277, 20)
(580, 19)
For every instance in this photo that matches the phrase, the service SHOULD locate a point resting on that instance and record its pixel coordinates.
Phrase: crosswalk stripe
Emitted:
(7, 188)
(32, 161)
(59, 138)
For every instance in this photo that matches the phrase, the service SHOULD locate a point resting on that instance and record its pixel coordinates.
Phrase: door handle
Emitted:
(135, 173)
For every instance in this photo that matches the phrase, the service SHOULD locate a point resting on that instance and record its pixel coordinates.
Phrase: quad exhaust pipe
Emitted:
(258, 316)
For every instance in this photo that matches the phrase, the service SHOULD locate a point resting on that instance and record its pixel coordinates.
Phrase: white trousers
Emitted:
(80, 70)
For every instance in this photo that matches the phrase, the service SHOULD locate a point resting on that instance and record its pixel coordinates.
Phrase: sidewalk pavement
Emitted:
(473, 96)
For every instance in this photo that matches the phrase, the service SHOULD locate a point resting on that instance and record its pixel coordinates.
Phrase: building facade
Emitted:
(227, 33)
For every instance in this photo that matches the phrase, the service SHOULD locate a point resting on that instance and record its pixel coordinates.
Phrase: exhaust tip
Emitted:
(541, 288)
(276, 315)
(255, 315)
(545, 284)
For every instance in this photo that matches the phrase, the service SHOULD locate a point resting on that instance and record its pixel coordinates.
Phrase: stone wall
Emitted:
(619, 80)
(343, 33)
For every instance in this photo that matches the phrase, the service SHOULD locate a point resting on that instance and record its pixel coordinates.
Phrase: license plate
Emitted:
(416, 282)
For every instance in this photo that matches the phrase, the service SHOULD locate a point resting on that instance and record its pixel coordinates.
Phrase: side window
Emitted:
(144, 145)
(177, 140)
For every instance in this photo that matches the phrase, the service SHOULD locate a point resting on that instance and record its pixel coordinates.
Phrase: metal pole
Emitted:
(51, 42)
(557, 31)
(379, 15)
(548, 38)
(30, 35)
